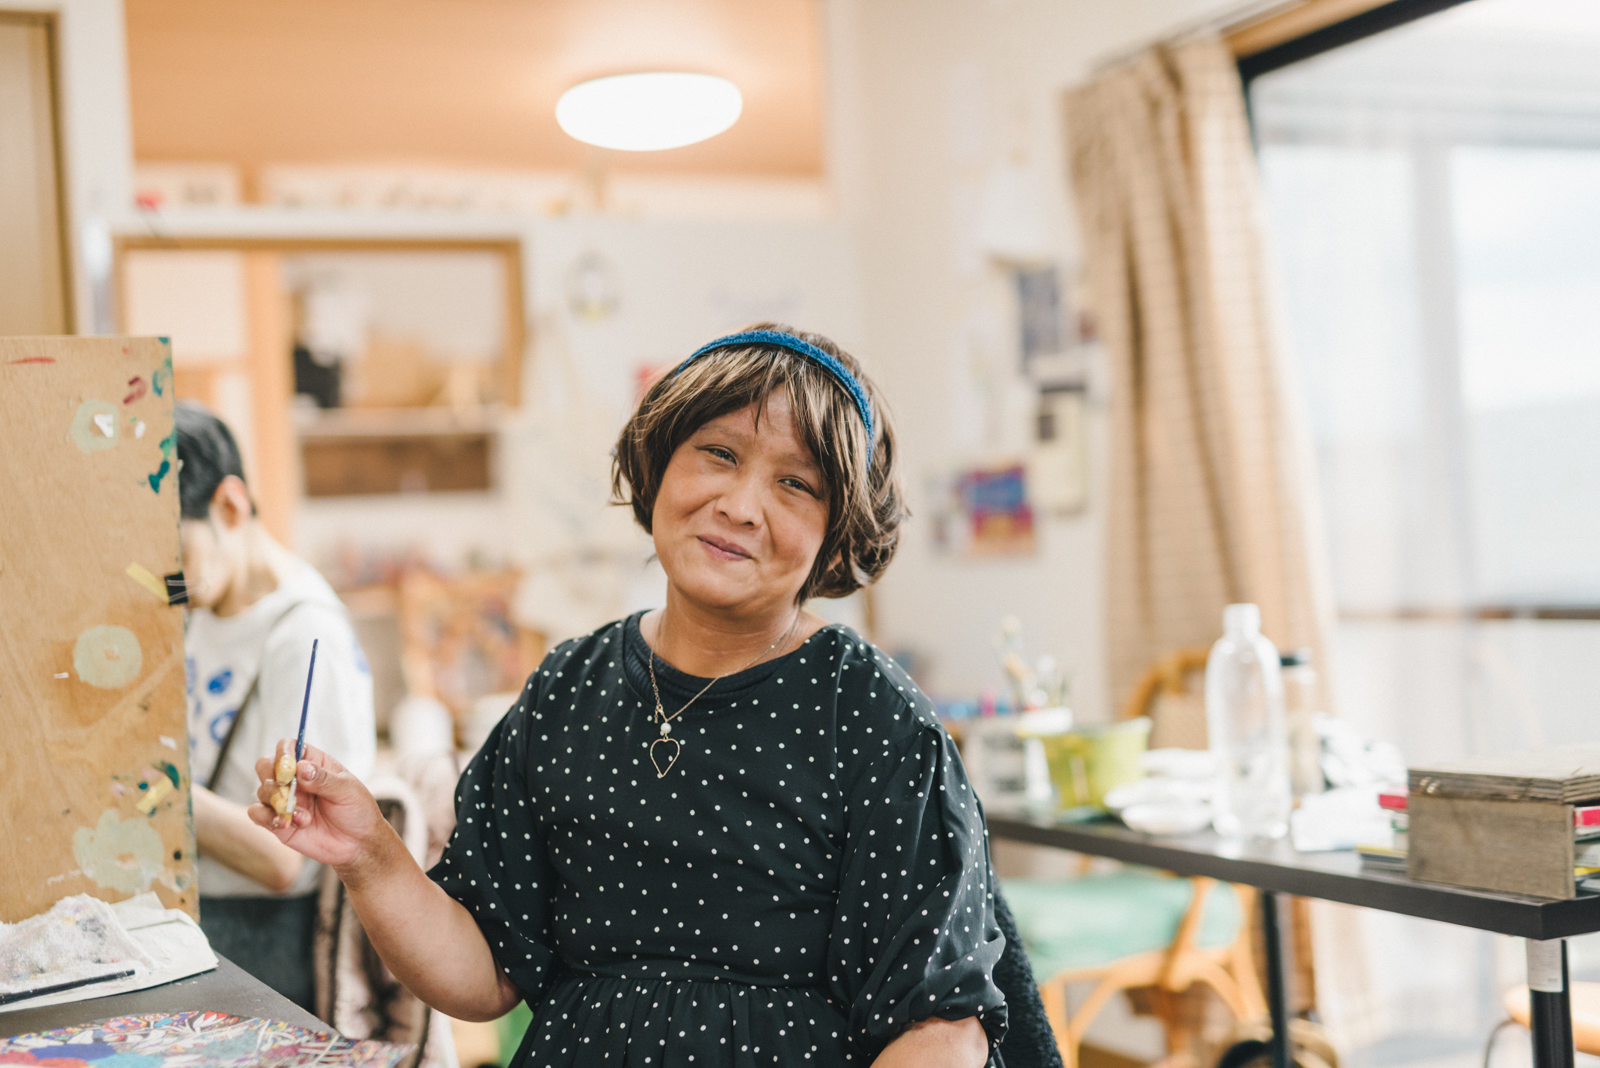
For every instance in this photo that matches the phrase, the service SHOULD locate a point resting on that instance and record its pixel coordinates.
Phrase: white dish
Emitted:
(1168, 817)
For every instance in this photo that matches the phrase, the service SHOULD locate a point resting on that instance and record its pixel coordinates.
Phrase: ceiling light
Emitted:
(647, 112)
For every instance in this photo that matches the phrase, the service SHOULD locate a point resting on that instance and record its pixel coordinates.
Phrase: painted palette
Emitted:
(94, 772)
(195, 1040)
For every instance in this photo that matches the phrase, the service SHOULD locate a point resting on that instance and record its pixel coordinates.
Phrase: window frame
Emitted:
(1336, 35)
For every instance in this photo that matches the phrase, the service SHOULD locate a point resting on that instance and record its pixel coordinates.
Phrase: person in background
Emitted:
(724, 832)
(254, 610)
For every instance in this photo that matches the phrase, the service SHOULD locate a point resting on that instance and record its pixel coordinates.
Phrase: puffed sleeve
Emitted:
(495, 862)
(914, 935)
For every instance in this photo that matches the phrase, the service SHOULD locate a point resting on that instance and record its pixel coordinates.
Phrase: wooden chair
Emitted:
(1172, 694)
(354, 989)
(1179, 931)
(1224, 963)
(1585, 1000)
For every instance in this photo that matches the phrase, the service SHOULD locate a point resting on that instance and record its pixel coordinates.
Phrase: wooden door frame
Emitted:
(50, 22)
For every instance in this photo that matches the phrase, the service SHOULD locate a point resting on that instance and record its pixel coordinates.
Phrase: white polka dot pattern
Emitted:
(810, 878)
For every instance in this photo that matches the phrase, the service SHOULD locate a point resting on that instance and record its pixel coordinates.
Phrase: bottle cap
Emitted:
(1241, 619)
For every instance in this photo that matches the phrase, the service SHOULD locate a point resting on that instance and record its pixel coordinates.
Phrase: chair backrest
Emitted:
(1172, 693)
(355, 992)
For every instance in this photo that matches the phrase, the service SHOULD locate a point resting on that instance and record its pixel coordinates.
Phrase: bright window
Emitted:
(1433, 203)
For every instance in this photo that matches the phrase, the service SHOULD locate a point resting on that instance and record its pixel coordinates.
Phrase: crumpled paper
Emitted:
(78, 938)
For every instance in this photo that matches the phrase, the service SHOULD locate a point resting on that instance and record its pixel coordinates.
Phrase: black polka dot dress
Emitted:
(808, 878)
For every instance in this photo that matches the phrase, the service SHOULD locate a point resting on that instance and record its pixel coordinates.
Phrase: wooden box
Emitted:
(1513, 847)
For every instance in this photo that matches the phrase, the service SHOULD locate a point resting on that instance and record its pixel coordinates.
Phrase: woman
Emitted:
(723, 832)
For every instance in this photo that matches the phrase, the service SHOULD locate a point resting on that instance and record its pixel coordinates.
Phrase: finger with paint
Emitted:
(283, 772)
(283, 796)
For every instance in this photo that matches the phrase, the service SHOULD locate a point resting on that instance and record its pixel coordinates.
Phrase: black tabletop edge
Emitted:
(225, 988)
(1275, 866)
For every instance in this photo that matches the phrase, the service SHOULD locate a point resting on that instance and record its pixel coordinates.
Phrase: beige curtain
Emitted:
(1208, 503)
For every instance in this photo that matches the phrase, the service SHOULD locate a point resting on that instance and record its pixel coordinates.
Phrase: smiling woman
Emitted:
(724, 831)
(832, 420)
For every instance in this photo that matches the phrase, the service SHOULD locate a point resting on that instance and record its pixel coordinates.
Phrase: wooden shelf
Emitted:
(339, 423)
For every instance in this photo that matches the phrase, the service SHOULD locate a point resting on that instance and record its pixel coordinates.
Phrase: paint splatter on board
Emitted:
(147, 580)
(169, 447)
(107, 657)
(197, 1039)
(94, 426)
(152, 797)
(161, 377)
(34, 359)
(137, 387)
(119, 854)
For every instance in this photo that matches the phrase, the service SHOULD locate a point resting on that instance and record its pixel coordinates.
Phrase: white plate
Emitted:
(1168, 818)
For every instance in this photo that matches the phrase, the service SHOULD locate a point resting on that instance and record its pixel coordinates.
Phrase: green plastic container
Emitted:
(1089, 762)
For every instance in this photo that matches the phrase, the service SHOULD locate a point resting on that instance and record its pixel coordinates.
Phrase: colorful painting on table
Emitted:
(195, 1040)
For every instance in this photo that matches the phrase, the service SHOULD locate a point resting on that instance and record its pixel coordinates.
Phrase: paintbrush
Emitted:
(56, 988)
(300, 740)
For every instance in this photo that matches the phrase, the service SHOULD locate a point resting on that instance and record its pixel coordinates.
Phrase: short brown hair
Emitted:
(865, 502)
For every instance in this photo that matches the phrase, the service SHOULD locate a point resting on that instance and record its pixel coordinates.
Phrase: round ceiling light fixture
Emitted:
(650, 111)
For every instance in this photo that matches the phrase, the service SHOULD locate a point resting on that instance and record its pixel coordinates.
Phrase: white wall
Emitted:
(933, 96)
(678, 285)
(927, 98)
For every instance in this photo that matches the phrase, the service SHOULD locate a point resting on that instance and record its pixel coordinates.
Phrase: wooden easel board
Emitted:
(94, 762)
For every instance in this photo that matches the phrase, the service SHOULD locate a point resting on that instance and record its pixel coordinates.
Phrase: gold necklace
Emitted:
(665, 721)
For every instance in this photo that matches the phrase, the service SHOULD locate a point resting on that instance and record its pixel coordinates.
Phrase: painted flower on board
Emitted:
(118, 854)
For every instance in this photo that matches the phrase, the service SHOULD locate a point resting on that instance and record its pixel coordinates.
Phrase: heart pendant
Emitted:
(661, 772)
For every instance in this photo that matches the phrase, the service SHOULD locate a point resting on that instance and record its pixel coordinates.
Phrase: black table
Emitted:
(228, 988)
(1274, 867)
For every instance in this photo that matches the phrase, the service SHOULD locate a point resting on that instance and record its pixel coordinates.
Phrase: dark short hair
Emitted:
(207, 454)
(865, 501)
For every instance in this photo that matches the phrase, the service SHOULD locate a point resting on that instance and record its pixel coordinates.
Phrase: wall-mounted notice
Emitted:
(94, 771)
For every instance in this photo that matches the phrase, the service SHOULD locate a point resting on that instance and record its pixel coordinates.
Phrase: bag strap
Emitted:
(249, 695)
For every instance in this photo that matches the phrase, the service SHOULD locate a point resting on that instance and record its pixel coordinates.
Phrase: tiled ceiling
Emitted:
(460, 83)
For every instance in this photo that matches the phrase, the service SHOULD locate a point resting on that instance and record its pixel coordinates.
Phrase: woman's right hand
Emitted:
(427, 938)
(335, 819)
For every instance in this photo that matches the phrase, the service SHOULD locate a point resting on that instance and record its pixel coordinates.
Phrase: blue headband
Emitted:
(822, 359)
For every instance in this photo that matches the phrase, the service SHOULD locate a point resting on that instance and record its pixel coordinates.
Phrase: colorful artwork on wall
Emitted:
(985, 511)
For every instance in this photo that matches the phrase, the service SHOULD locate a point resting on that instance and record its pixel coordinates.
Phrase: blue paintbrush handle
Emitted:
(305, 705)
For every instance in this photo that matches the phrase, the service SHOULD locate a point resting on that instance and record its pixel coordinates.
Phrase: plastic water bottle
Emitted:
(1245, 721)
